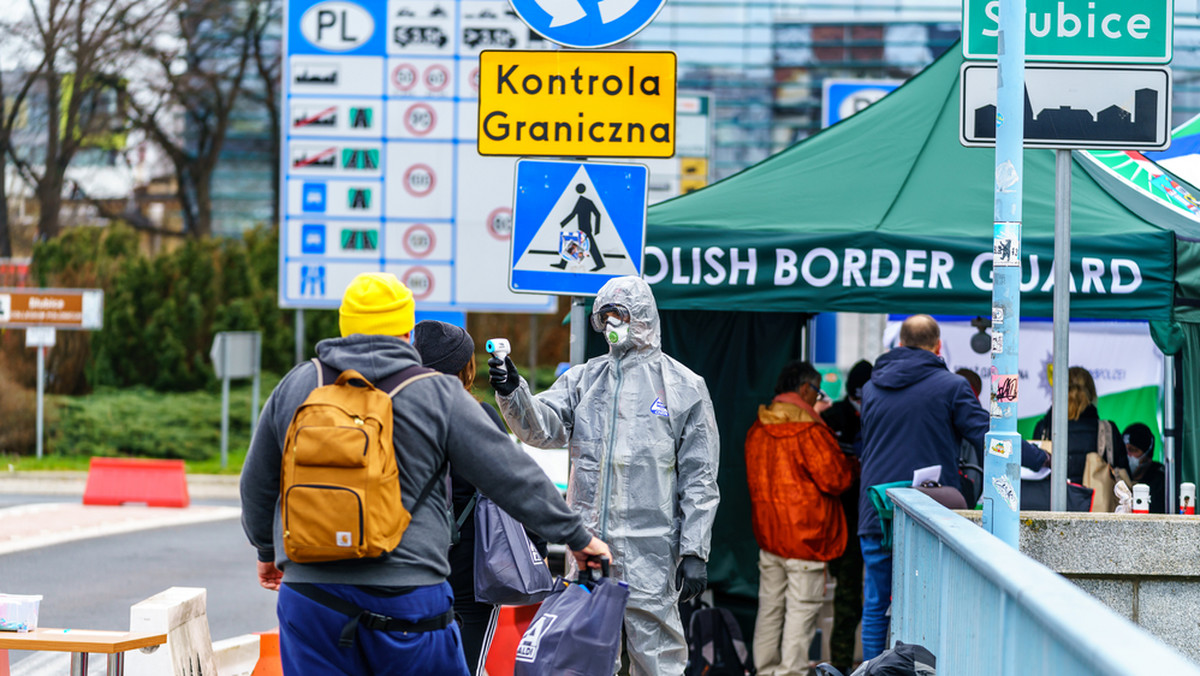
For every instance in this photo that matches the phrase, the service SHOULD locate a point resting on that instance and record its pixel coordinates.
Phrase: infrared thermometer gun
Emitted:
(499, 348)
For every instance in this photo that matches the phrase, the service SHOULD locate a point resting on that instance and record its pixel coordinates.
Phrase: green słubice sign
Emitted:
(1099, 31)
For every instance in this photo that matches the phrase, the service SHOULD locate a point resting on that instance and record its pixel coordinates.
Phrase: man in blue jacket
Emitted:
(915, 413)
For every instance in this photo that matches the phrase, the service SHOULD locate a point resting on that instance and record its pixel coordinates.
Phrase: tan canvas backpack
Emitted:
(340, 488)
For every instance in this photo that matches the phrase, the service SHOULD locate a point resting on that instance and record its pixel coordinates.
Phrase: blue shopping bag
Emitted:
(576, 632)
(508, 568)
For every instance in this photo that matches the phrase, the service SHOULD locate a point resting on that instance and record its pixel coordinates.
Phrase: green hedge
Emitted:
(161, 312)
(141, 422)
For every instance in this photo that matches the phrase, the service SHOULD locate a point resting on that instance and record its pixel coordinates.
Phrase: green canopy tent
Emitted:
(884, 212)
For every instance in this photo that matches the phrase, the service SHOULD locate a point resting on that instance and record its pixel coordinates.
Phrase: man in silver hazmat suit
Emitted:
(644, 452)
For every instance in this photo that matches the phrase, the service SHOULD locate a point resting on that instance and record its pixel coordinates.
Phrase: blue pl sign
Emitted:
(576, 225)
(586, 24)
(843, 98)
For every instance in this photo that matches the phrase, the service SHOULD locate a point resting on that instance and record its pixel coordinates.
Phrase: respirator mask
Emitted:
(612, 321)
(616, 331)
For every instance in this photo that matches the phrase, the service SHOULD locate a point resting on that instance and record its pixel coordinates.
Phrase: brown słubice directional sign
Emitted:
(79, 309)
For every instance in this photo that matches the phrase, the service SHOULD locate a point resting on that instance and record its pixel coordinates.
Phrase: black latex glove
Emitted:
(691, 577)
(503, 375)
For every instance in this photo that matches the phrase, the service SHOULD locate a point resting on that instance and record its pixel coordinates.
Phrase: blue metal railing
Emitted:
(985, 609)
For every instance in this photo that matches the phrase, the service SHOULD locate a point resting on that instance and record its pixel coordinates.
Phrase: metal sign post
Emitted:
(579, 329)
(1062, 323)
(41, 339)
(236, 354)
(1002, 452)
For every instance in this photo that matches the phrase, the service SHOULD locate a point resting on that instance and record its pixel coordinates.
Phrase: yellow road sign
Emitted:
(694, 167)
(577, 103)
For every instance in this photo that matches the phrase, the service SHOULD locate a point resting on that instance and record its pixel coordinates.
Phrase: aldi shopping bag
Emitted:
(576, 632)
(508, 568)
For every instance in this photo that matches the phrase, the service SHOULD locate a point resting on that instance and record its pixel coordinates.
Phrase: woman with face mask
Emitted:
(1139, 445)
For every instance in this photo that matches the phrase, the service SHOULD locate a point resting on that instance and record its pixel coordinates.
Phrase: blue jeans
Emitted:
(877, 596)
(308, 635)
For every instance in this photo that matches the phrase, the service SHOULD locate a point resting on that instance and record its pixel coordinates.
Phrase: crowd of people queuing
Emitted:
(642, 490)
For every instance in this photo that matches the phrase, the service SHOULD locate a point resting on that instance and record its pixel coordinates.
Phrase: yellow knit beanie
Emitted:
(376, 303)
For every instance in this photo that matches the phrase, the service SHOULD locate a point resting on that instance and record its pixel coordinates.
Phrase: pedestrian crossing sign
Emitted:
(576, 225)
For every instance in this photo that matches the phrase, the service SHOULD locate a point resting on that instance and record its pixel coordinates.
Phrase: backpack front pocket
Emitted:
(331, 527)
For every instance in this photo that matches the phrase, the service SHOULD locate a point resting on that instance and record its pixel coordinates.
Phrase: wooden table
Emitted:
(81, 642)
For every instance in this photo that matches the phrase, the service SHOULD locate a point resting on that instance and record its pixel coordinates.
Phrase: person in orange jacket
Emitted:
(796, 470)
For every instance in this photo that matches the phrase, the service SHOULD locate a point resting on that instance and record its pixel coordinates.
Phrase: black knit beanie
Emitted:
(1139, 435)
(859, 374)
(443, 347)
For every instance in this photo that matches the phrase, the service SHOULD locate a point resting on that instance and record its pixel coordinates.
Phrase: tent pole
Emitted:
(1002, 444)
(1168, 432)
(1062, 323)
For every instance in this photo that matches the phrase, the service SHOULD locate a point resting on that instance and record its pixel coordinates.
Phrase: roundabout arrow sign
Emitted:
(568, 23)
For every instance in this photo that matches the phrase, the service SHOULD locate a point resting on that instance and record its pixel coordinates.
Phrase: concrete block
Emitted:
(1166, 608)
(180, 612)
(236, 656)
(1116, 594)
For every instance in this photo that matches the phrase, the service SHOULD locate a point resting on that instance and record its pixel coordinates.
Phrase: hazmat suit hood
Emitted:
(633, 293)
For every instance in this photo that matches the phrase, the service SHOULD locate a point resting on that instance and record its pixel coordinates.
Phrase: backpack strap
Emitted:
(456, 536)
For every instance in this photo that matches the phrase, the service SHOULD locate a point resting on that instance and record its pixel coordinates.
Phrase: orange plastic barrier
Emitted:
(115, 481)
(3, 663)
(510, 627)
(268, 663)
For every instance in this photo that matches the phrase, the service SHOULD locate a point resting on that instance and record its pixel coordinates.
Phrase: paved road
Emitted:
(92, 577)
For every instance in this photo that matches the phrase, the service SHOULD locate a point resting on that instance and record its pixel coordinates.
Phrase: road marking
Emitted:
(43, 524)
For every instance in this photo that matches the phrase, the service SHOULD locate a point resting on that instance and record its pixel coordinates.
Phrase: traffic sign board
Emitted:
(581, 104)
(569, 24)
(841, 98)
(576, 225)
(1100, 31)
(1073, 106)
(81, 309)
(380, 99)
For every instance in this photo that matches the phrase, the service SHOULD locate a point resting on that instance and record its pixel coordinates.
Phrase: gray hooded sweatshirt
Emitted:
(434, 418)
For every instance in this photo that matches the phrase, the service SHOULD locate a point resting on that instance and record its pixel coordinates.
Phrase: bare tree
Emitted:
(81, 44)
(267, 50)
(185, 108)
(13, 108)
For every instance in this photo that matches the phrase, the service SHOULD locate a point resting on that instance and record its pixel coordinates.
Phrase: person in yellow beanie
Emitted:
(376, 303)
(435, 423)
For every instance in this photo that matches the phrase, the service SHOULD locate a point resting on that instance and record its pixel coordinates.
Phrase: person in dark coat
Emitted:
(1083, 426)
(1139, 447)
(450, 349)
(843, 418)
(915, 413)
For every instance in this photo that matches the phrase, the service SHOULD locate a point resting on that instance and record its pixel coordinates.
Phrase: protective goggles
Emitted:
(600, 317)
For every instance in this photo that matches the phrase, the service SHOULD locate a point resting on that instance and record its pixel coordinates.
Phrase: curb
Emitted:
(200, 486)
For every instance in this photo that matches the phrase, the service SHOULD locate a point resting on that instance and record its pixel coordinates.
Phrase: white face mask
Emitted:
(1133, 464)
(616, 331)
